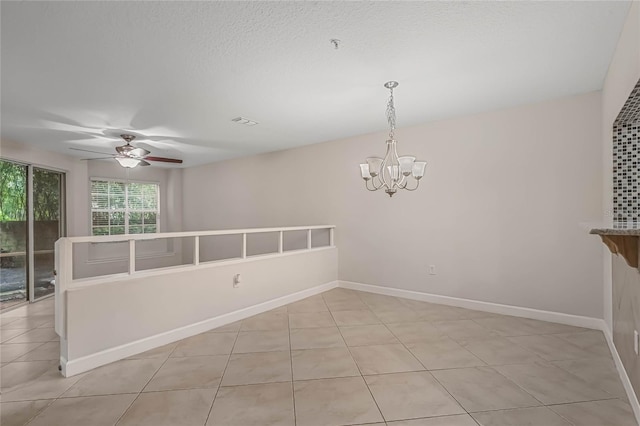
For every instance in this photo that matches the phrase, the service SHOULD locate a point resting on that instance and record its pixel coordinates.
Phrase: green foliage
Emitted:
(46, 195)
(13, 193)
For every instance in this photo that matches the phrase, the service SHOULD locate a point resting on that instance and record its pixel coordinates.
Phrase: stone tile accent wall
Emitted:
(626, 160)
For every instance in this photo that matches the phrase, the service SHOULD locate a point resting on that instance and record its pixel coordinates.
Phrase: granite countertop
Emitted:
(616, 228)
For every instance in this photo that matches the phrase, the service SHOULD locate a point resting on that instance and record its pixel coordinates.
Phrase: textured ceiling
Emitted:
(180, 71)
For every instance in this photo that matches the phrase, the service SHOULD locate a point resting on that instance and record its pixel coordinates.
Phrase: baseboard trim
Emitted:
(80, 365)
(624, 377)
(496, 308)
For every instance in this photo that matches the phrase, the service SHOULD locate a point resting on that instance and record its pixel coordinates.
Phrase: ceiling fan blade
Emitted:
(86, 150)
(96, 158)
(164, 160)
(143, 163)
(139, 152)
(130, 151)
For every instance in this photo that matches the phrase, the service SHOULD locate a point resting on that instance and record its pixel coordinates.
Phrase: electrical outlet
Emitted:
(432, 269)
(636, 341)
(237, 279)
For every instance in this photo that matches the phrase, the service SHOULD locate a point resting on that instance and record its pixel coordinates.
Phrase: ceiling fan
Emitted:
(130, 156)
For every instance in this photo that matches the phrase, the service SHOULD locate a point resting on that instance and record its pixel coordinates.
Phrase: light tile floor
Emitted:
(340, 358)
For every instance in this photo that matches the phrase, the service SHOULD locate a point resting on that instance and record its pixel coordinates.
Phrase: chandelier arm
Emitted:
(373, 183)
(366, 185)
(383, 168)
(383, 184)
(411, 189)
(401, 181)
(379, 185)
(395, 156)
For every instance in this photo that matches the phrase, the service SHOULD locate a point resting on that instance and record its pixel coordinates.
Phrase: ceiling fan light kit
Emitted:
(392, 172)
(129, 162)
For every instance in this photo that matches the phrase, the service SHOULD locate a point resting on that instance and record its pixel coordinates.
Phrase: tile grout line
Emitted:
(384, 419)
(293, 389)
(436, 379)
(222, 375)
(542, 404)
(429, 372)
(8, 341)
(506, 337)
(143, 388)
(40, 344)
(568, 372)
(571, 403)
(52, 362)
(518, 385)
(553, 363)
(40, 412)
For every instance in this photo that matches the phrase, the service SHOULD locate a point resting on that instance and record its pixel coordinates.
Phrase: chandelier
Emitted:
(392, 172)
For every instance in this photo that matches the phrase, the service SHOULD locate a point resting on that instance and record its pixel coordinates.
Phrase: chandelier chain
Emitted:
(391, 115)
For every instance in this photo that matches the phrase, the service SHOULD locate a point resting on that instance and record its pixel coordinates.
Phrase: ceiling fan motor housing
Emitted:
(129, 150)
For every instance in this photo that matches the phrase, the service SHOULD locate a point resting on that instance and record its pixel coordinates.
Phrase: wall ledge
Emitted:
(623, 241)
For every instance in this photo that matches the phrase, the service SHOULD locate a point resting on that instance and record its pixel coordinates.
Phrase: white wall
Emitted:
(158, 307)
(498, 211)
(623, 74)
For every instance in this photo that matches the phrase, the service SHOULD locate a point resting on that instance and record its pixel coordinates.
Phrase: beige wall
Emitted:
(626, 316)
(498, 211)
(621, 283)
(623, 74)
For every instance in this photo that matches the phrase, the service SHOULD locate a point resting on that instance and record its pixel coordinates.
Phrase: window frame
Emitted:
(126, 182)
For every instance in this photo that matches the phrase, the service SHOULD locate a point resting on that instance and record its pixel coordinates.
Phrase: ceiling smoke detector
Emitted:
(245, 121)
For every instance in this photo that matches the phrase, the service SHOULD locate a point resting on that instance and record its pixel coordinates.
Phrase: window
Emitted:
(124, 207)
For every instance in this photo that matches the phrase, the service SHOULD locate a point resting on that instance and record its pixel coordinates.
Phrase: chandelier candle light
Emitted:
(392, 172)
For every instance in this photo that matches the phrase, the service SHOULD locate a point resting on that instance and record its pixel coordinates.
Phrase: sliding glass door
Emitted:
(13, 233)
(47, 227)
(32, 219)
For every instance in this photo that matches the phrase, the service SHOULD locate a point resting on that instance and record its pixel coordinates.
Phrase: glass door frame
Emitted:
(62, 223)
